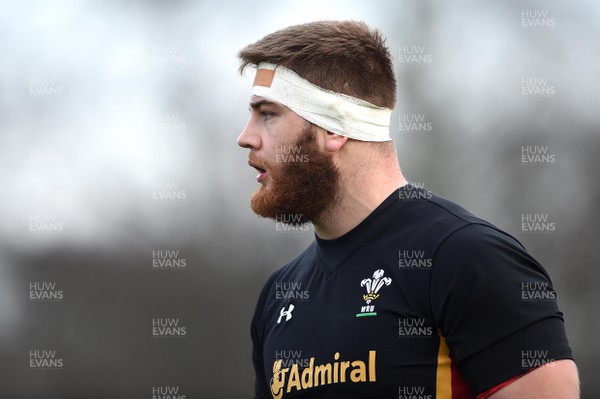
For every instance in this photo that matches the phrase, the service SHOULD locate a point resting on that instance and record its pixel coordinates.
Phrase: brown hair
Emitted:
(343, 56)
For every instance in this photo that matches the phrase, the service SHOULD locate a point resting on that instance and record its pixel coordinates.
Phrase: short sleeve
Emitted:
(495, 306)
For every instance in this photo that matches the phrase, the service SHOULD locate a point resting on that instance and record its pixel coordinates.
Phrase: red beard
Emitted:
(300, 189)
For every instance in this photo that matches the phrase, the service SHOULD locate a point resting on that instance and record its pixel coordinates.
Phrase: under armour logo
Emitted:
(287, 313)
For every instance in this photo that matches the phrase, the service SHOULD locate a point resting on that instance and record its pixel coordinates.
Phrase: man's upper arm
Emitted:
(496, 307)
(556, 380)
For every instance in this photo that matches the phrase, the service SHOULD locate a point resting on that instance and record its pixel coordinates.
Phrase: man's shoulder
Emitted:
(468, 227)
(438, 207)
(424, 211)
(429, 220)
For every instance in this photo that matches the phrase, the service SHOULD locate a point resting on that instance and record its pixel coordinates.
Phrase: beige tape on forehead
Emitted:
(264, 77)
(335, 112)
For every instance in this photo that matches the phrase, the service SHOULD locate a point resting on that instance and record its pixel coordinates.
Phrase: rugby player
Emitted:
(402, 294)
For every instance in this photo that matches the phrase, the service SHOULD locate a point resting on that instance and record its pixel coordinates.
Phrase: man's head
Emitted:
(342, 56)
(345, 72)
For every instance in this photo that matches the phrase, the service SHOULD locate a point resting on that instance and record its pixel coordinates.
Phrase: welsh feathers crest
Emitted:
(374, 284)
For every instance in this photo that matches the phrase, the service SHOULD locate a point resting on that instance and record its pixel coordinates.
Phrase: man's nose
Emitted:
(249, 137)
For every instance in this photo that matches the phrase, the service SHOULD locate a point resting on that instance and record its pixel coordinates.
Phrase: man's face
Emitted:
(298, 181)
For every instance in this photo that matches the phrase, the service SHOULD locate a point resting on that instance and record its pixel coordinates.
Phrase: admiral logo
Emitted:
(537, 291)
(414, 328)
(286, 290)
(168, 328)
(537, 155)
(531, 359)
(44, 87)
(44, 292)
(414, 192)
(44, 223)
(169, 123)
(167, 392)
(537, 19)
(168, 260)
(289, 379)
(44, 154)
(372, 285)
(44, 360)
(537, 87)
(414, 123)
(537, 223)
(168, 191)
(413, 260)
(414, 55)
(413, 392)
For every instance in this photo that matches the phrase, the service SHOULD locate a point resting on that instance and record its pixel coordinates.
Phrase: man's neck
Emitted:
(357, 199)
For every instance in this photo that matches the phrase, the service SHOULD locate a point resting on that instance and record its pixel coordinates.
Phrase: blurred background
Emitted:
(130, 262)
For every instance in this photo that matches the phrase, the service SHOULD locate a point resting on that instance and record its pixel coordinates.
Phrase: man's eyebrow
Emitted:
(260, 103)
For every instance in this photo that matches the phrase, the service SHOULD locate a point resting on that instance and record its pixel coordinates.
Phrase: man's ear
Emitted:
(334, 141)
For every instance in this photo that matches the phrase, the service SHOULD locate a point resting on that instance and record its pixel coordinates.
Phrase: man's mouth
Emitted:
(262, 173)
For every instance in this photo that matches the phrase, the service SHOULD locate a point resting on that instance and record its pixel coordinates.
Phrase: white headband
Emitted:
(334, 112)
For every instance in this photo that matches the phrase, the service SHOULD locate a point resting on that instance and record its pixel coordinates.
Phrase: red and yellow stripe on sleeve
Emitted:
(450, 383)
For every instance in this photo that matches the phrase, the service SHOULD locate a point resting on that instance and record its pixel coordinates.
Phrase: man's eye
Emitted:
(267, 115)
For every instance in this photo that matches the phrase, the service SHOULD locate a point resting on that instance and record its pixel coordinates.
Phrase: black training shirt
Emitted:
(421, 300)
